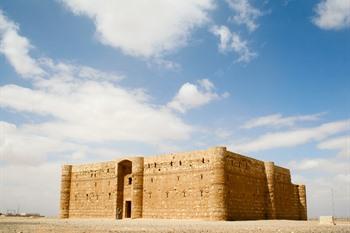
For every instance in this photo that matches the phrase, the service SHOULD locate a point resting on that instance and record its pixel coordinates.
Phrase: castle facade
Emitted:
(213, 184)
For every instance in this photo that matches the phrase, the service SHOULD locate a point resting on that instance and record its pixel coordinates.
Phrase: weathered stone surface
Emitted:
(213, 184)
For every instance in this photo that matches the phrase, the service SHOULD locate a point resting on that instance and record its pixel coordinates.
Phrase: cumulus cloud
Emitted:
(20, 147)
(144, 28)
(194, 95)
(16, 48)
(332, 14)
(94, 111)
(232, 42)
(78, 106)
(277, 120)
(245, 13)
(293, 137)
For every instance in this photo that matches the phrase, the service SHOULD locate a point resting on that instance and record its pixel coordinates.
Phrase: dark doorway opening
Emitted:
(124, 169)
(127, 209)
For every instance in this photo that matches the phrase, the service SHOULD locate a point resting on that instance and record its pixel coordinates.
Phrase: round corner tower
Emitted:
(65, 190)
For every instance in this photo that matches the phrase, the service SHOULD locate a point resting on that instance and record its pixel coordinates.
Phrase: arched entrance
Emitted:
(124, 202)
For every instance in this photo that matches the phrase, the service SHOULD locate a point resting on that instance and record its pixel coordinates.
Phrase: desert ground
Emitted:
(39, 225)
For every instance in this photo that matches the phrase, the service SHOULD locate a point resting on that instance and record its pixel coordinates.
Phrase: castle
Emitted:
(213, 184)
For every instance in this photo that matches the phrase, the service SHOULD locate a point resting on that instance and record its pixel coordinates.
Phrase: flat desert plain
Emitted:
(39, 225)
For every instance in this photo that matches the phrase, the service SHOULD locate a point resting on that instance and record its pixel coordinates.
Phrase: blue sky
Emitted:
(82, 82)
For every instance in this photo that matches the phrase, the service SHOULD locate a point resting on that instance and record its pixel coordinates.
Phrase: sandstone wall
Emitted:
(261, 190)
(246, 187)
(93, 190)
(185, 185)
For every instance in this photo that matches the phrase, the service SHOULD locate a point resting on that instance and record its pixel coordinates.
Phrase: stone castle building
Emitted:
(213, 184)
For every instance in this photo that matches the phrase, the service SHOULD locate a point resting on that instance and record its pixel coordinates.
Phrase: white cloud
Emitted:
(20, 147)
(231, 41)
(245, 13)
(94, 111)
(277, 120)
(329, 165)
(16, 48)
(342, 144)
(293, 137)
(144, 28)
(192, 96)
(82, 105)
(164, 64)
(332, 14)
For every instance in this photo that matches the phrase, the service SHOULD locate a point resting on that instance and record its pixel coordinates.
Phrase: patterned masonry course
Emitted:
(213, 184)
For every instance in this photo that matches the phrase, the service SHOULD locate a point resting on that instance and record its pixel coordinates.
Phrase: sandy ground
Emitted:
(39, 225)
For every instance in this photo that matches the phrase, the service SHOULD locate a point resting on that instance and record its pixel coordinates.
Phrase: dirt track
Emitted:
(39, 225)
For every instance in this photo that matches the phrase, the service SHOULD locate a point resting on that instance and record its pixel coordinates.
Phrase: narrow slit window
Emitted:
(203, 161)
(130, 181)
(109, 196)
(180, 163)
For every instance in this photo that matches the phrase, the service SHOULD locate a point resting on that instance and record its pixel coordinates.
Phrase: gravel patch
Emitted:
(41, 225)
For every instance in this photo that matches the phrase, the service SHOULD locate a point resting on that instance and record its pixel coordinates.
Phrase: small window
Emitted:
(203, 160)
(159, 169)
(87, 196)
(151, 180)
(167, 194)
(95, 184)
(75, 197)
(107, 170)
(180, 163)
(171, 163)
(95, 175)
(149, 165)
(201, 193)
(130, 181)
(201, 176)
(155, 164)
(109, 196)
(178, 178)
(150, 194)
(92, 175)
(184, 193)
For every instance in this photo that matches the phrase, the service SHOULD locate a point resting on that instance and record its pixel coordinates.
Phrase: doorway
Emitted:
(127, 209)
(124, 169)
